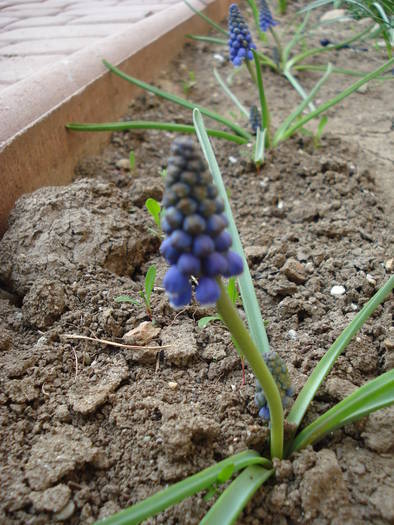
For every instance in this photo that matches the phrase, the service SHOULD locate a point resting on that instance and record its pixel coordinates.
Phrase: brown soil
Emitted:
(88, 429)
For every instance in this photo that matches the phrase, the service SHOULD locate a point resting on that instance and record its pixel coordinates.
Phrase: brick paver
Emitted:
(37, 33)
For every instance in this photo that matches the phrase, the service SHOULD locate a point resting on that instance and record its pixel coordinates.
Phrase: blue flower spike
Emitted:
(197, 243)
(240, 42)
(279, 372)
(254, 119)
(266, 19)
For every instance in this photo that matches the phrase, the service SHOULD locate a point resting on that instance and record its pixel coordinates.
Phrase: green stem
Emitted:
(230, 317)
(297, 86)
(251, 71)
(265, 116)
(282, 6)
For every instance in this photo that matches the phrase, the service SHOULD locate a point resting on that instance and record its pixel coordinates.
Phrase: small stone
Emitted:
(232, 159)
(53, 499)
(378, 434)
(337, 290)
(294, 271)
(389, 344)
(214, 352)
(181, 341)
(371, 280)
(292, 334)
(389, 264)
(142, 334)
(362, 89)
(66, 512)
(255, 253)
(173, 385)
(123, 164)
(219, 58)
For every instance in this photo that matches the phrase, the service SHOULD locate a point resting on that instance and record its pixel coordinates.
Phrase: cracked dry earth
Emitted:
(88, 428)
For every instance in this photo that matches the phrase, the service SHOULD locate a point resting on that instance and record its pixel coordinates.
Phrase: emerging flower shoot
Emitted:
(240, 42)
(254, 119)
(197, 243)
(266, 19)
(279, 372)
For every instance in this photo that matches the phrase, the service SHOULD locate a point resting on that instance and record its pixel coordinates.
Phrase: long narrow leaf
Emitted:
(333, 101)
(229, 93)
(300, 108)
(146, 124)
(183, 489)
(259, 148)
(338, 70)
(265, 116)
(297, 86)
(328, 360)
(297, 36)
(206, 18)
(374, 395)
(209, 39)
(178, 100)
(235, 498)
(248, 294)
(150, 281)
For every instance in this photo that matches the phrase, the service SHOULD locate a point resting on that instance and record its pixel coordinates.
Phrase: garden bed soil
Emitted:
(88, 429)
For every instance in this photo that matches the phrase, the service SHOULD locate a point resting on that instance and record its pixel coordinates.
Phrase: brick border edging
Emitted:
(39, 151)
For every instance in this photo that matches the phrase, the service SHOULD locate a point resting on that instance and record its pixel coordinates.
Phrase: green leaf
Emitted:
(154, 209)
(335, 100)
(259, 148)
(149, 282)
(207, 19)
(234, 499)
(320, 129)
(179, 100)
(183, 489)
(126, 299)
(209, 39)
(132, 160)
(265, 116)
(230, 94)
(204, 321)
(146, 124)
(328, 360)
(374, 395)
(226, 473)
(246, 287)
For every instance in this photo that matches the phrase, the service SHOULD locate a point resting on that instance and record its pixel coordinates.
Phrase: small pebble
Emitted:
(354, 307)
(370, 279)
(219, 57)
(337, 290)
(66, 512)
(123, 164)
(280, 205)
(292, 334)
(173, 385)
(389, 264)
(232, 159)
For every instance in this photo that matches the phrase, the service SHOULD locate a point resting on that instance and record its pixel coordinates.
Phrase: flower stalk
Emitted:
(231, 319)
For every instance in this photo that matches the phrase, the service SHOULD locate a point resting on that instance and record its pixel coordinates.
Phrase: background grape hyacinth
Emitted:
(197, 243)
(279, 372)
(240, 42)
(266, 19)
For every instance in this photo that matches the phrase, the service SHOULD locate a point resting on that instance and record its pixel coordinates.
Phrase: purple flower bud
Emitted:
(180, 240)
(189, 264)
(240, 43)
(194, 224)
(264, 412)
(169, 253)
(215, 264)
(216, 223)
(223, 241)
(175, 282)
(173, 217)
(234, 264)
(203, 245)
(181, 299)
(207, 291)
(265, 18)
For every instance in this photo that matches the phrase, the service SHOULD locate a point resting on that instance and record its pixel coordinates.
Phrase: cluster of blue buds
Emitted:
(254, 119)
(266, 19)
(279, 372)
(240, 42)
(197, 242)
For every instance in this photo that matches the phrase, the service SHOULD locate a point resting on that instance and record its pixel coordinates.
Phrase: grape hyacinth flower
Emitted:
(254, 119)
(266, 19)
(279, 372)
(197, 243)
(240, 43)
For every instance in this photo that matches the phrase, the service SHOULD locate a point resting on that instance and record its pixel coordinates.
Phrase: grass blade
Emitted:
(327, 362)
(259, 149)
(338, 70)
(209, 39)
(248, 294)
(183, 489)
(265, 116)
(206, 18)
(150, 281)
(374, 395)
(236, 496)
(300, 108)
(146, 124)
(333, 101)
(230, 94)
(178, 100)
